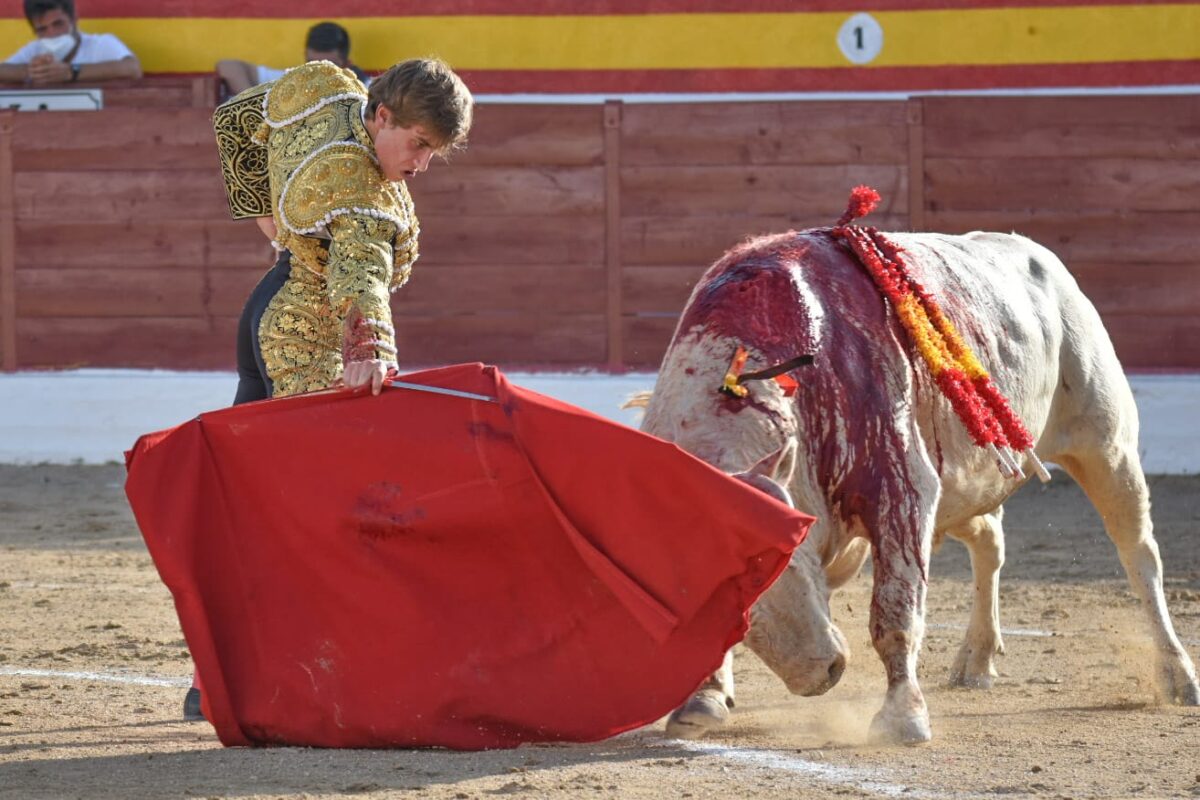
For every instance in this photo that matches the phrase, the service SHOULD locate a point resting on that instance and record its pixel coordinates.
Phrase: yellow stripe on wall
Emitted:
(1064, 35)
(1007, 36)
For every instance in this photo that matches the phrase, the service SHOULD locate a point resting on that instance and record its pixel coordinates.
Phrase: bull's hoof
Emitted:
(973, 667)
(913, 728)
(971, 676)
(965, 681)
(702, 712)
(1177, 682)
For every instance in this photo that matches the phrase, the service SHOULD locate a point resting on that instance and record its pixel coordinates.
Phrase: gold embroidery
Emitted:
(299, 337)
(405, 246)
(359, 271)
(300, 334)
(340, 178)
(243, 159)
(307, 252)
(304, 87)
(351, 233)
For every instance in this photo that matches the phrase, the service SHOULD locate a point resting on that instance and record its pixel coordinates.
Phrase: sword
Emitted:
(416, 387)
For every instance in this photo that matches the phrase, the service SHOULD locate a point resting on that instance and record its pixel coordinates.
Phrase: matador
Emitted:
(325, 162)
(321, 163)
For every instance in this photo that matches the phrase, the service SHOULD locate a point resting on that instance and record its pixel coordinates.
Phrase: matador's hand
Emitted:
(358, 374)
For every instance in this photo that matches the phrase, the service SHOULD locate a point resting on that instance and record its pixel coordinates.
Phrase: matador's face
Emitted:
(402, 151)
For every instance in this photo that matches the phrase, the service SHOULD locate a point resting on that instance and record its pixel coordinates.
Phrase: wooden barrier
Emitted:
(572, 235)
(1108, 183)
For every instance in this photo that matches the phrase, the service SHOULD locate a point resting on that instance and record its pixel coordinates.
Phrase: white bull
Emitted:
(879, 456)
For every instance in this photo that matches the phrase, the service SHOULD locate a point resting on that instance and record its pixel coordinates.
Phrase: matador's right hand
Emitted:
(359, 374)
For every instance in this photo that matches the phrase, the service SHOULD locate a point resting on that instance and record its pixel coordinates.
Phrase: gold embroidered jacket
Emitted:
(298, 150)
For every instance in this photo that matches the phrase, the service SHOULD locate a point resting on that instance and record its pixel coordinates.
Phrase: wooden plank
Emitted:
(8, 256)
(1016, 113)
(178, 343)
(198, 343)
(1158, 341)
(563, 241)
(133, 293)
(916, 165)
(506, 339)
(444, 290)
(110, 293)
(498, 289)
(132, 139)
(699, 240)
(1121, 236)
(658, 289)
(1066, 140)
(533, 239)
(136, 244)
(120, 196)
(1085, 184)
(648, 337)
(154, 91)
(505, 191)
(764, 133)
(758, 191)
(501, 289)
(205, 92)
(533, 135)
(148, 97)
(1145, 288)
(612, 232)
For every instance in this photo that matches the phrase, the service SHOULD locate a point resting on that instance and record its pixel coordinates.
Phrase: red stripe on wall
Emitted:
(902, 79)
(323, 9)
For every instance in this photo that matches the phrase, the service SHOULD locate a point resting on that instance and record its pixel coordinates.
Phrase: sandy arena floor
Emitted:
(92, 670)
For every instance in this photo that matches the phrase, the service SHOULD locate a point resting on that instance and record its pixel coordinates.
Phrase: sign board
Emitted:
(51, 99)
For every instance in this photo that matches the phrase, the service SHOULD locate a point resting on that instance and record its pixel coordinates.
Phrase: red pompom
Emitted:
(863, 200)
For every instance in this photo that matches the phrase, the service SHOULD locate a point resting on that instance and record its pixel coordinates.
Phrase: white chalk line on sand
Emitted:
(101, 677)
(951, 626)
(864, 780)
(861, 779)
(89, 587)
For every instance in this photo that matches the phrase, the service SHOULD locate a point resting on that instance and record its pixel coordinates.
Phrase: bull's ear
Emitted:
(780, 465)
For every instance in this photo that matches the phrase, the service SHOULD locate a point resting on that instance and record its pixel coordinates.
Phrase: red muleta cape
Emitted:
(417, 569)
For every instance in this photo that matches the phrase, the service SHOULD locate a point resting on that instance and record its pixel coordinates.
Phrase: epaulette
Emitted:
(339, 178)
(308, 88)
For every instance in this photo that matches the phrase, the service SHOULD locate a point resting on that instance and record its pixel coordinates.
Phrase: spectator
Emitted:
(62, 54)
(327, 41)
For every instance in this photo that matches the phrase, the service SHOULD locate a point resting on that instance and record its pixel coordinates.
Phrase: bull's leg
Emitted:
(708, 708)
(1117, 488)
(984, 539)
(897, 627)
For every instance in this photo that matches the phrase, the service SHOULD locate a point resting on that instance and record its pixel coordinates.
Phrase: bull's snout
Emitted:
(818, 678)
(836, 669)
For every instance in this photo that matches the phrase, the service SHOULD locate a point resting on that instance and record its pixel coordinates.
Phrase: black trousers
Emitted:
(253, 381)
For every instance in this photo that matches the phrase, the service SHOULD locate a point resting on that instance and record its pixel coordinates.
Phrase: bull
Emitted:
(869, 446)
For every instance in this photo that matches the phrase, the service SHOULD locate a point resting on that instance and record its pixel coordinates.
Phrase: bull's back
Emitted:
(1042, 342)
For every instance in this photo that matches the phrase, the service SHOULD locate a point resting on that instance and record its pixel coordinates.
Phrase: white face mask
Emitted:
(58, 46)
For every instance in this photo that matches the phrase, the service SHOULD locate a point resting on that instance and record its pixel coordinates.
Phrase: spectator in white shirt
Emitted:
(326, 41)
(61, 54)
